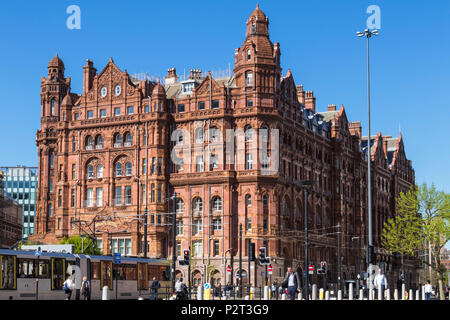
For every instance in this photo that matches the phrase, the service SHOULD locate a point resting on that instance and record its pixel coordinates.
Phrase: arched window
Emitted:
(99, 171)
(118, 170)
(99, 142)
(198, 135)
(118, 140)
(90, 171)
(89, 143)
(128, 139)
(197, 204)
(217, 203)
(180, 205)
(128, 169)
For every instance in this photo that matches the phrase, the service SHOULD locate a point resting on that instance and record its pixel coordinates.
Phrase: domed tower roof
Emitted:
(158, 90)
(258, 14)
(67, 101)
(56, 62)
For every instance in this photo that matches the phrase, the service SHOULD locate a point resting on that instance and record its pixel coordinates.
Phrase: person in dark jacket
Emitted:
(292, 281)
(154, 287)
(85, 289)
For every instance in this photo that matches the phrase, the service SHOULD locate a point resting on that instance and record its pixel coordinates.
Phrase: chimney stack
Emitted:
(171, 76)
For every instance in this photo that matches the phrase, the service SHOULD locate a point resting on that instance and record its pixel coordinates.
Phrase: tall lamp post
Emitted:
(358, 268)
(306, 185)
(368, 34)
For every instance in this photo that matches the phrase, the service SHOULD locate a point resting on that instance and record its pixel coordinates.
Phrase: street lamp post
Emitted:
(306, 185)
(368, 34)
(174, 225)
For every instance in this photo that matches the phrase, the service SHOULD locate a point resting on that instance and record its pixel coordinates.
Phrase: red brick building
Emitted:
(95, 164)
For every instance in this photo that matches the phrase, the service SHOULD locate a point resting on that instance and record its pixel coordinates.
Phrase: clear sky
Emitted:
(410, 59)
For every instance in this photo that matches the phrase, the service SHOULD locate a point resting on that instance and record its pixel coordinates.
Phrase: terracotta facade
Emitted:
(220, 188)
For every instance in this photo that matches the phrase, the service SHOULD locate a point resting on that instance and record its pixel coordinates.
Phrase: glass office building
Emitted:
(20, 183)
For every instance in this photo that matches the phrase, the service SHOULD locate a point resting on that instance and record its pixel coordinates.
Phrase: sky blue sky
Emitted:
(410, 59)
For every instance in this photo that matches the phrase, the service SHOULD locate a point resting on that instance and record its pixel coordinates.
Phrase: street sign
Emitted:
(262, 273)
(229, 269)
(304, 274)
(207, 286)
(269, 268)
(117, 258)
(311, 267)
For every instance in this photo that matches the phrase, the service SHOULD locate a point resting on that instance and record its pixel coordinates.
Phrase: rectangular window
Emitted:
(59, 223)
(90, 197)
(178, 253)
(118, 195)
(179, 228)
(199, 163)
(76, 115)
(90, 114)
(130, 110)
(214, 162)
(198, 248)
(50, 209)
(59, 198)
(73, 171)
(144, 165)
(249, 223)
(146, 109)
(216, 248)
(128, 195)
(159, 165)
(197, 227)
(201, 105)
(181, 108)
(248, 162)
(217, 224)
(215, 104)
(249, 103)
(8, 272)
(74, 144)
(159, 192)
(72, 198)
(51, 186)
(117, 112)
(103, 113)
(99, 197)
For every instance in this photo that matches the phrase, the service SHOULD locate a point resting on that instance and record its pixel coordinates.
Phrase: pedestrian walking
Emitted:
(292, 282)
(85, 289)
(68, 287)
(380, 281)
(274, 290)
(428, 289)
(228, 289)
(181, 290)
(154, 289)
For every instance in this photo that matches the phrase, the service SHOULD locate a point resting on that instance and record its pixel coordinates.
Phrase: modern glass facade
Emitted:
(20, 183)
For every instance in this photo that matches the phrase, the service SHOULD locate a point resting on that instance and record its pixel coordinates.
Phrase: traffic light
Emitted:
(186, 258)
(262, 255)
(323, 266)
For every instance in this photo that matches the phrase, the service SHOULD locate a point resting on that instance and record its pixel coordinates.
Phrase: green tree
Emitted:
(422, 223)
(87, 246)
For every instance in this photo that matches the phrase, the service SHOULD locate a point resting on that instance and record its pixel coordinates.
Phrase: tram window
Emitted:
(95, 270)
(44, 269)
(58, 273)
(165, 273)
(26, 268)
(125, 272)
(8, 272)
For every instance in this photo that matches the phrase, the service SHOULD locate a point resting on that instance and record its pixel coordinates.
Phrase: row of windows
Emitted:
(20, 184)
(103, 113)
(197, 226)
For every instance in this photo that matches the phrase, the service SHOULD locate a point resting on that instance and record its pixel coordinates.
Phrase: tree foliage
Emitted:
(422, 223)
(87, 246)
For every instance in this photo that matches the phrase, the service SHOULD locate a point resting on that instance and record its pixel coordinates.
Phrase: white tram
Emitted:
(26, 276)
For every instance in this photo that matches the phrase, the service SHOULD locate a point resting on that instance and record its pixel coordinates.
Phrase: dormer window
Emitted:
(188, 87)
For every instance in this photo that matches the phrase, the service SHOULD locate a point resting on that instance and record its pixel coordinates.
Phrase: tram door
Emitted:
(106, 274)
(58, 273)
(142, 272)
